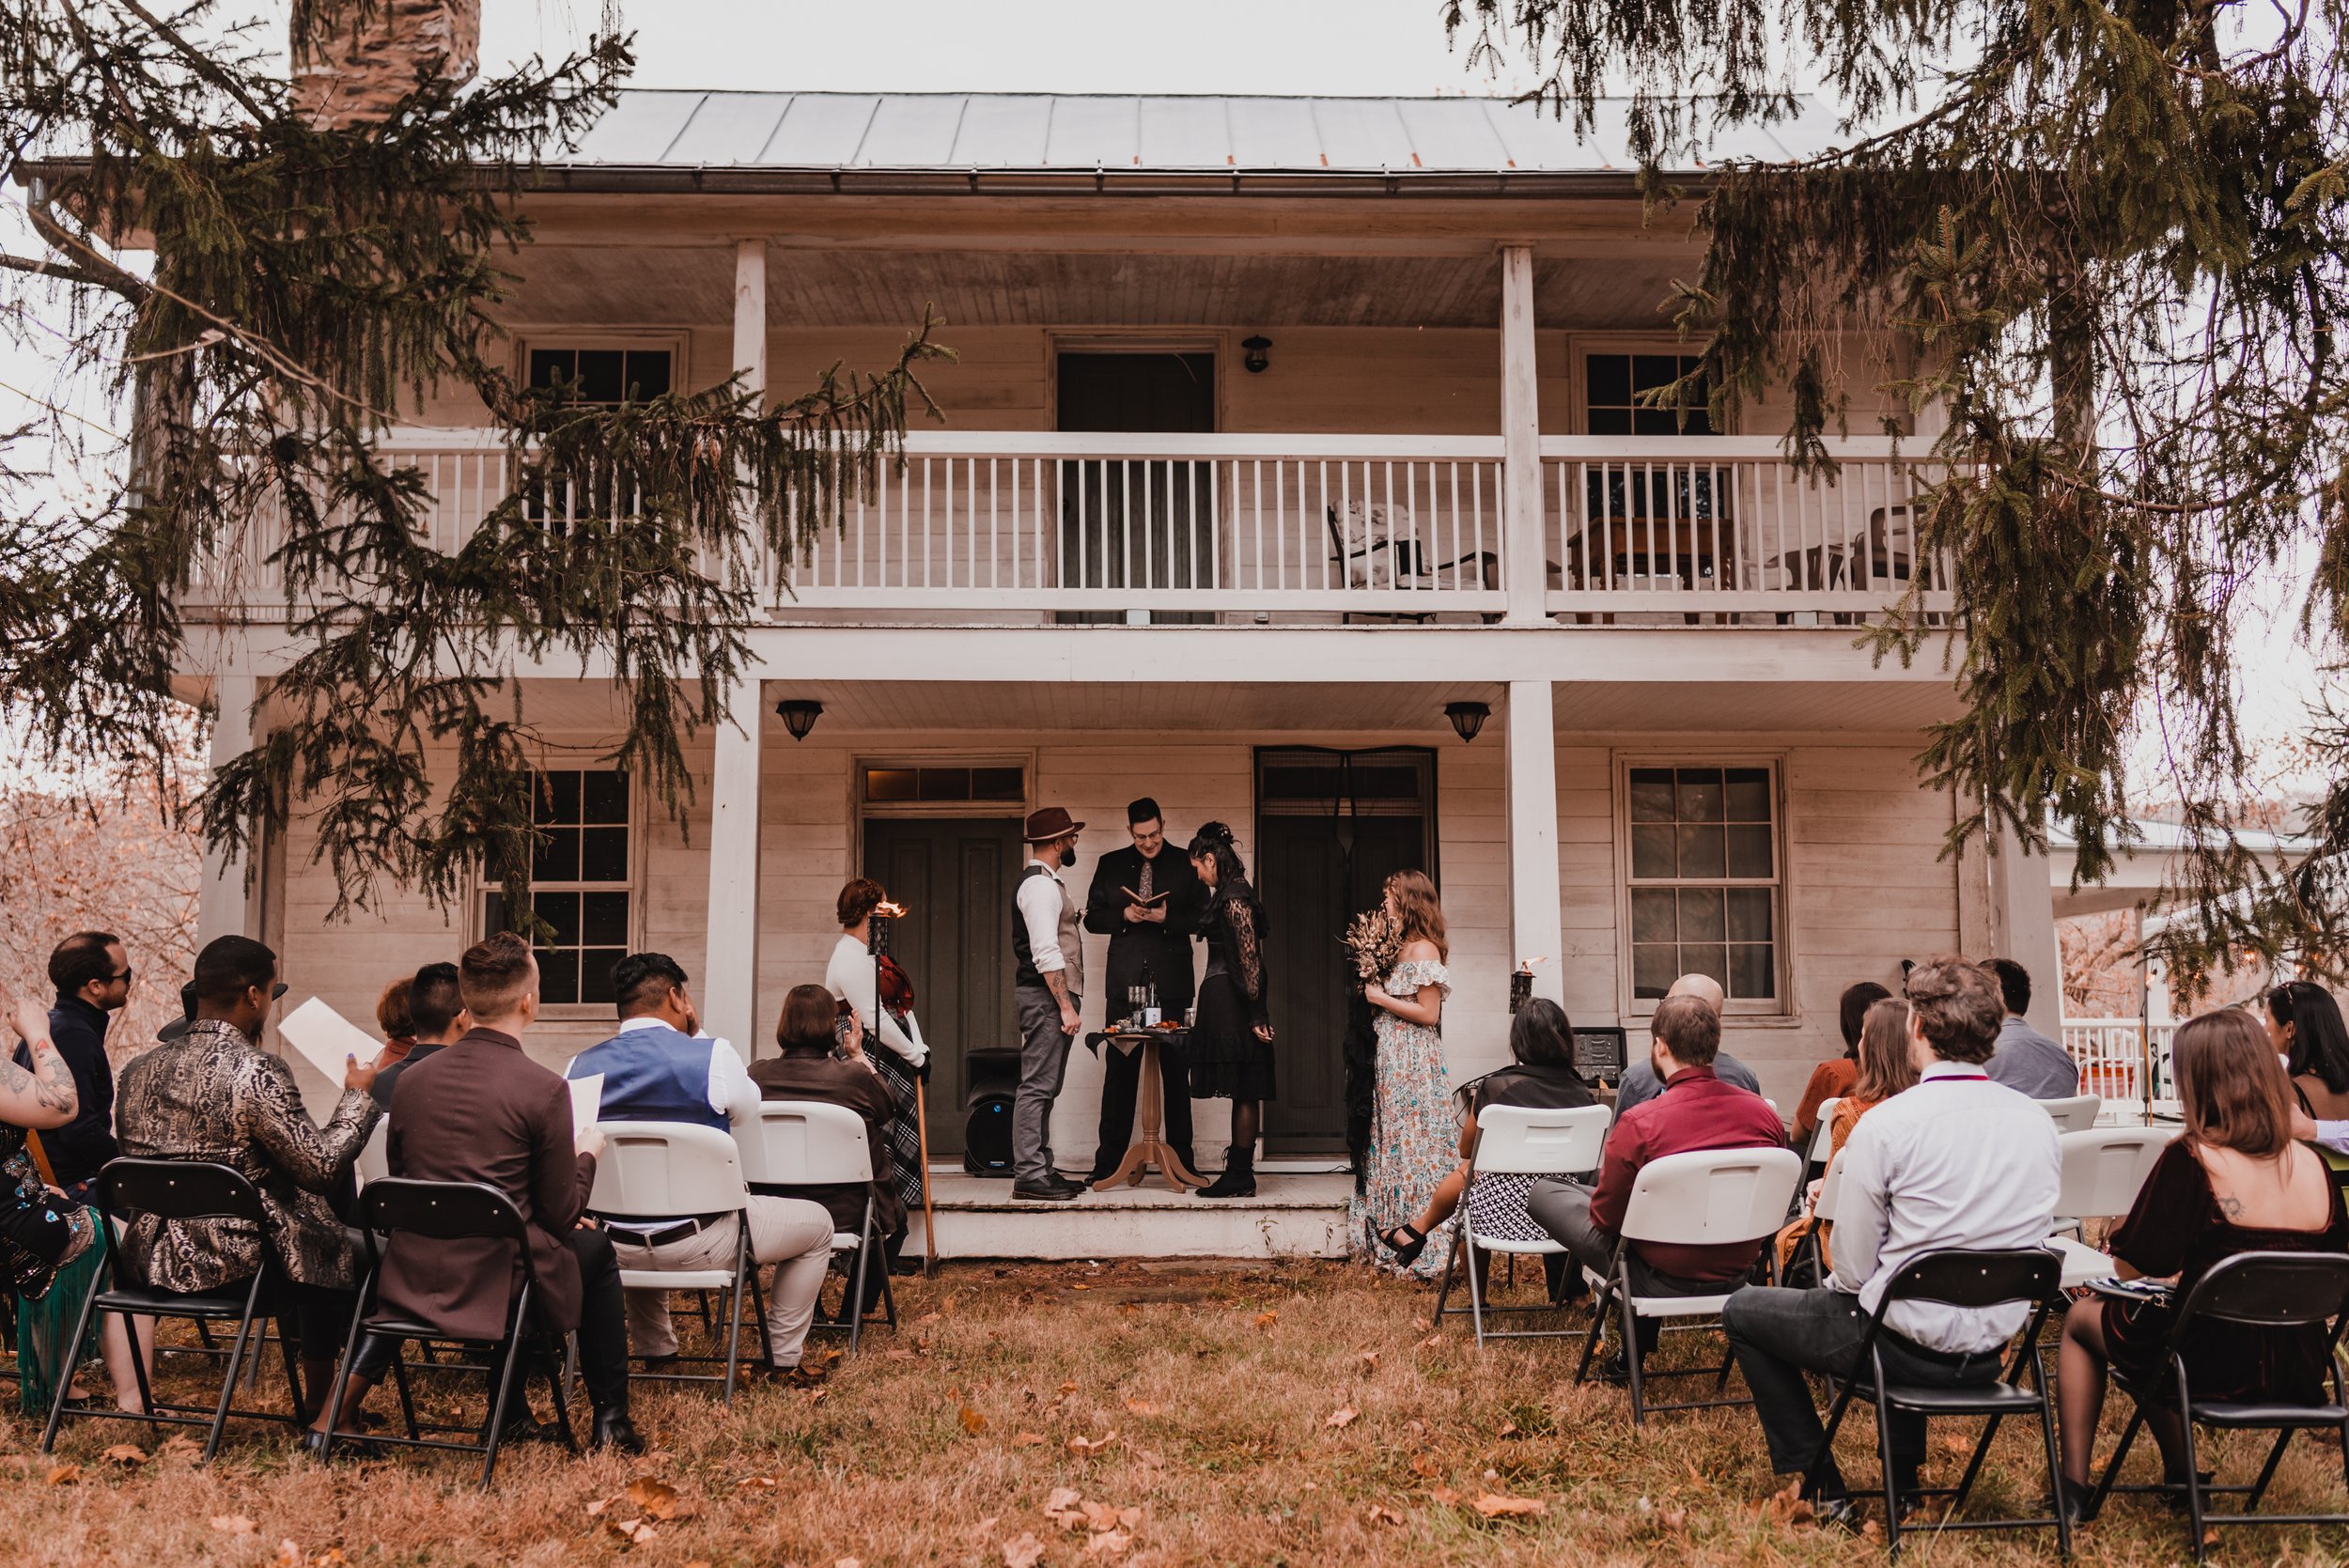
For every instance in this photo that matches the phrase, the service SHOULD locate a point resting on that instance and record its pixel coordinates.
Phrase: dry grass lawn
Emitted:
(1123, 1414)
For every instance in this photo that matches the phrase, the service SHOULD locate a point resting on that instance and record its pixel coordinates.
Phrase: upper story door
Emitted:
(1142, 525)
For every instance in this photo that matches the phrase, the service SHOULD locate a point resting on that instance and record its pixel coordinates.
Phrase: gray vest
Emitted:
(1072, 949)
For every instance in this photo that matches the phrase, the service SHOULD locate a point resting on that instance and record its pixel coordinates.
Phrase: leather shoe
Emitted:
(613, 1430)
(1056, 1191)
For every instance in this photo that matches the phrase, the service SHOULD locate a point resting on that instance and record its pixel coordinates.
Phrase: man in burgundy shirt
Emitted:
(1696, 1111)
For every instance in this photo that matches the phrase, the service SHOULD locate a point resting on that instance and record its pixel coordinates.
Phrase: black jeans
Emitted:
(602, 1327)
(1121, 1086)
(1779, 1334)
(1564, 1209)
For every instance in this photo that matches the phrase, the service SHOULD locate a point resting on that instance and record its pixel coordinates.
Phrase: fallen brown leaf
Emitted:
(1342, 1417)
(756, 1483)
(1871, 1531)
(1114, 1542)
(233, 1524)
(1378, 1514)
(1070, 1386)
(657, 1500)
(847, 1563)
(289, 1554)
(1443, 1497)
(1497, 1505)
(1141, 1407)
(1266, 1320)
(629, 1532)
(126, 1453)
(1023, 1551)
(1431, 1341)
(1370, 1361)
(972, 1421)
(1061, 1499)
(926, 1317)
(1509, 1429)
(899, 1355)
(1091, 1445)
(1425, 1464)
(180, 1445)
(1027, 1439)
(65, 1475)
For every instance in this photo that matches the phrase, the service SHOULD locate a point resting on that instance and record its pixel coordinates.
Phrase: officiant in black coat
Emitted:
(1147, 899)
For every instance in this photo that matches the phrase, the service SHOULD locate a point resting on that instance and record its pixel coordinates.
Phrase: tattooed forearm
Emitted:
(55, 1089)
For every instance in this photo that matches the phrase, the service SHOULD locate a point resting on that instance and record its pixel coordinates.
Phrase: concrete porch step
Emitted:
(1294, 1214)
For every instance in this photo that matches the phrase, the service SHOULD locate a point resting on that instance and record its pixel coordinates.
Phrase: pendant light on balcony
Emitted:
(1467, 719)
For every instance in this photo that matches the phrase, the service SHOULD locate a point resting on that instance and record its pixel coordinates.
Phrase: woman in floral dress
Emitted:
(1414, 1135)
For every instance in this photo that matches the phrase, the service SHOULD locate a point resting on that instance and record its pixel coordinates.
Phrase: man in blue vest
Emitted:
(659, 1068)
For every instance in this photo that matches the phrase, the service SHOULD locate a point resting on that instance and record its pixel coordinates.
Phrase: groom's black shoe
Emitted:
(1055, 1188)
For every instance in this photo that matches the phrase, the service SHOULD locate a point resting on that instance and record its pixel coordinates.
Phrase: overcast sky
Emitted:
(1198, 46)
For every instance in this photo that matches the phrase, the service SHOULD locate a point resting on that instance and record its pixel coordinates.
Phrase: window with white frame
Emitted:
(582, 883)
(1703, 879)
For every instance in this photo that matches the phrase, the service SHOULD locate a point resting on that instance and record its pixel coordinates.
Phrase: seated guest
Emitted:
(1886, 1069)
(480, 1110)
(1697, 1111)
(808, 1070)
(1959, 1161)
(436, 1020)
(92, 976)
(1543, 1078)
(1639, 1083)
(392, 1016)
(2235, 1182)
(2027, 1061)
(214, 1094)
(660, 1068)
(2303, 1028)
(1832, 1079)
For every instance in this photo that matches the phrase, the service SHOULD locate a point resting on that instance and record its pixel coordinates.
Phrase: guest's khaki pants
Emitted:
(792, 1234)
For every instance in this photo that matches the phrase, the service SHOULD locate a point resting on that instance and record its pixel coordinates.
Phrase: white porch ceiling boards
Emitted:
(679, 285)
(942, 709)
(952, 133)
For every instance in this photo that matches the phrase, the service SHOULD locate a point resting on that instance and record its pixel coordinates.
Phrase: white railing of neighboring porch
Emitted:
(2111, 1056)
(1382, 526)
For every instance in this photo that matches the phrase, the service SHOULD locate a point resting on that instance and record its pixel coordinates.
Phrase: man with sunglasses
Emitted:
(92, 975)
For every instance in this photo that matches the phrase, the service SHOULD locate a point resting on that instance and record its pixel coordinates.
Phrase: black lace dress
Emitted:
(1227, 1060)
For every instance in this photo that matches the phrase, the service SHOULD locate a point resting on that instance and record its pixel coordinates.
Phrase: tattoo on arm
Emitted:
(1056, 981)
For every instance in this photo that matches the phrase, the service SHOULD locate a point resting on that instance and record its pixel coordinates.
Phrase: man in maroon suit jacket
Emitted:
(480, 1110)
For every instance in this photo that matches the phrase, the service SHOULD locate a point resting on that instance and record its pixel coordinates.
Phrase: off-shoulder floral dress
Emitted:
(1414, 1133)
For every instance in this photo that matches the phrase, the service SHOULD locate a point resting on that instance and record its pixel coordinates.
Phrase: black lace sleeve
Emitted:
(1247, 955)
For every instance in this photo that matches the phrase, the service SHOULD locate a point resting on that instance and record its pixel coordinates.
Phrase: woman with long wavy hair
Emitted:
(1414, 1133)
(1231, 1045)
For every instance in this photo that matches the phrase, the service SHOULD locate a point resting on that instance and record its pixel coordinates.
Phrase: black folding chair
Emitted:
(1970, 1279)
(443, 1212)
(172, 1189)
(2248, 1291)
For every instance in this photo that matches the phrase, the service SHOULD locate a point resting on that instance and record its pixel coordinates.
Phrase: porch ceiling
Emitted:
(1753, 707)
(690, 286)
(1185, 708)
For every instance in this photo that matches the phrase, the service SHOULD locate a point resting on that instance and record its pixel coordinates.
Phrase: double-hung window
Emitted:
(1705, 881)
(581, 882)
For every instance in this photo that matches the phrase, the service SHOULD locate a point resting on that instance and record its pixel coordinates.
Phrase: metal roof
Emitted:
(836, 135)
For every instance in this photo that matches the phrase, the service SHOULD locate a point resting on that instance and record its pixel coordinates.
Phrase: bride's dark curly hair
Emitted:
(1213, 842)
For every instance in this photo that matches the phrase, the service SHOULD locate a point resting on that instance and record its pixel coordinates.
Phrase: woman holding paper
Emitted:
(882, 993)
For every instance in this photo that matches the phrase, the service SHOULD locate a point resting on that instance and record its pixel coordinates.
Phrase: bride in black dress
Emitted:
(1231, 1045)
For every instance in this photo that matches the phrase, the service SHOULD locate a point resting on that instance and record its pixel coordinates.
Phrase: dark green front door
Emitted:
(953, 875)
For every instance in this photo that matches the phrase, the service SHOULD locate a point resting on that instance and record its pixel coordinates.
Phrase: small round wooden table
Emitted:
(1149, 1146)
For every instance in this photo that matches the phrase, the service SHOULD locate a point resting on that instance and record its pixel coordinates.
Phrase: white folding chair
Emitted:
(2076, 1113)
(804, 1143)
(1514, 1140)
(2103, 1170)
(1822, 1136)
(1831, 1191)
(664, 1169)
(1704, 1198)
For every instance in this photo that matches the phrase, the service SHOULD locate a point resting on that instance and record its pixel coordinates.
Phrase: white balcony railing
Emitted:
(2111, 1054)
(1405, 527)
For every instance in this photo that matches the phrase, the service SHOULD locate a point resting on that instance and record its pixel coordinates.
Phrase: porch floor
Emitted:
(1299, 1211)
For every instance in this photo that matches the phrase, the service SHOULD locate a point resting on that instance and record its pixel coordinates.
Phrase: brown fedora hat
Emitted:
(1049, 824)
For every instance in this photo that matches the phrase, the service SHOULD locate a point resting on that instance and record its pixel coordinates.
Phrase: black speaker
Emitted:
(994, 1079)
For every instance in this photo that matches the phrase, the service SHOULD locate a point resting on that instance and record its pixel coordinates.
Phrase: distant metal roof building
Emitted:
(1003, 140)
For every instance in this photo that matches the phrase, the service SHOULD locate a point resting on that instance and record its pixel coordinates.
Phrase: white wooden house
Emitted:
(1278, 426)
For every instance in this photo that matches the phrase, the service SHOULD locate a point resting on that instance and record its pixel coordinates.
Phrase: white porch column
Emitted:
(1525, 558)
(750, 311)
(2022, 927)
(225, 906)
(728, 984)
(1536, 927)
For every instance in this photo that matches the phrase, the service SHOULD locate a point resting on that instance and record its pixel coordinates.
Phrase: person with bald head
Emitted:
(1640, 1084)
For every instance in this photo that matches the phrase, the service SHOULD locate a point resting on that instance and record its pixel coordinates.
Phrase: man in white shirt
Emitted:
(1959, 1161)
(1047, 990)
(659, 1068)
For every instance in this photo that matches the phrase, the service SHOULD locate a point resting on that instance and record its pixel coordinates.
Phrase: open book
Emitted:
(1150, 903)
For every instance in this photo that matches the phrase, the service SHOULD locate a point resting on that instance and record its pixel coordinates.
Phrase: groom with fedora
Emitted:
(1048, 988)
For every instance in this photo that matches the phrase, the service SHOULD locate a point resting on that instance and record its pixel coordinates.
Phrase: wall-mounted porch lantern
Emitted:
(799, 715)
(1466, 718)
(1257, 354)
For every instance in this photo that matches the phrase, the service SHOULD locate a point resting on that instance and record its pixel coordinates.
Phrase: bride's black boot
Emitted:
(1240, 1175)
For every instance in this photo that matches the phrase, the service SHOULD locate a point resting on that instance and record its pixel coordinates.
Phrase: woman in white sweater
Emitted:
(883, 998)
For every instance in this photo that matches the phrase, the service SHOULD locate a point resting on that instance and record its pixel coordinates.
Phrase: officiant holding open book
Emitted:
(1147, 901)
